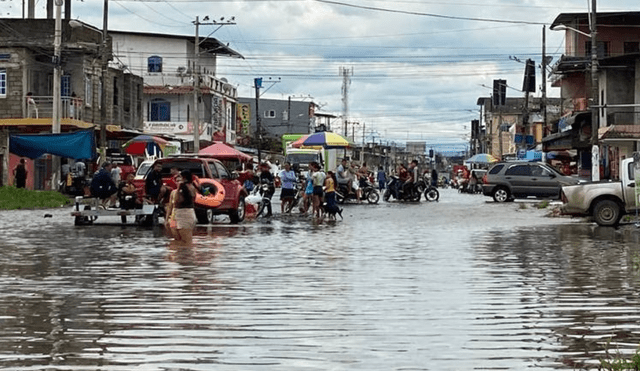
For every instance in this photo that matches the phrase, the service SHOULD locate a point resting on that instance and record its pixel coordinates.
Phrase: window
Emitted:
(602, 49)
(222, 172)
(65, 85)
(160, 110)
(270, 114)
(519, 170)
(115, 91)
(88, 90)
(631, 47)
(214, 171)
(496, 169)
(3, 83)
(154, 64)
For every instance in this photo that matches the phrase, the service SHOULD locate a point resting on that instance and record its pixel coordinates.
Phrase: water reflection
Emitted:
(568, 290)
(458, 284)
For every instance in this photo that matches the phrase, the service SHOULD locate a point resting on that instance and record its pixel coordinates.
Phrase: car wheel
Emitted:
(204, 216)
(501, 194)
(373, 197)
(606, 213)
(237, 215)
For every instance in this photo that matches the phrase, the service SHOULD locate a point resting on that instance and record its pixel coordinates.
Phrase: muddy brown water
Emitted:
(459, 284)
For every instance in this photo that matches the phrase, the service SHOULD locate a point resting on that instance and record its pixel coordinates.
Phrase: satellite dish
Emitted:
(181, 69)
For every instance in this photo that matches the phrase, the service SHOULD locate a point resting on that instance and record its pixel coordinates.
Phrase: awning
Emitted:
(619, 132)
(79, 145)
(557, 142)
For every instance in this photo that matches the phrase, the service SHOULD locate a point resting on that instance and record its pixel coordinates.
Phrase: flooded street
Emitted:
(459, 284)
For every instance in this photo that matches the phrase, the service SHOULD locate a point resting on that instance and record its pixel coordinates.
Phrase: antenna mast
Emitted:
(346, 74)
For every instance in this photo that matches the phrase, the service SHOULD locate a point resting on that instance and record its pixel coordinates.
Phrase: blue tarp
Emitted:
(79, 145)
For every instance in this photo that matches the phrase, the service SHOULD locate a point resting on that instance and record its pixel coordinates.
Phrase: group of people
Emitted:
(319, 189)
(354, 179)
(177, 198)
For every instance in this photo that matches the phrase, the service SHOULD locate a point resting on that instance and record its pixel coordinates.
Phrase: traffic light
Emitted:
(499, 92)
(475, 129)
(529, 83)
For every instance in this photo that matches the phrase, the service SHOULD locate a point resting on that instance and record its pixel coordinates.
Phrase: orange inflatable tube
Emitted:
(210, 193)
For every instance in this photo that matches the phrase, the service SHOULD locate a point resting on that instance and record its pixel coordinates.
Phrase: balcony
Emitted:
(42, 107)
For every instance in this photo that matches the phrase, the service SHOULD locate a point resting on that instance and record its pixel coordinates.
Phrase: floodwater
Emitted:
(459, 284)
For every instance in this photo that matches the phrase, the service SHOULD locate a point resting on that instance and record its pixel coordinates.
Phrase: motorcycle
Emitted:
(368, 192)
(73, 184)
(261, 195)
(395, 190)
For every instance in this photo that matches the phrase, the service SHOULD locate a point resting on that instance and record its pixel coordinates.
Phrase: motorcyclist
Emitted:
(266, 177)
(412, 177)
(342, 175)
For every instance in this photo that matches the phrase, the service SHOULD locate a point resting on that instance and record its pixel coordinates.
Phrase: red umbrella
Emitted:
(142, 143)
(222, 151)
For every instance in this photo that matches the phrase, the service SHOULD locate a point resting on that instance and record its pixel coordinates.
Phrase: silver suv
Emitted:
(506, 181)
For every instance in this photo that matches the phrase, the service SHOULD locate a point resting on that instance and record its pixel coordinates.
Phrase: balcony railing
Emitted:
(42, 106)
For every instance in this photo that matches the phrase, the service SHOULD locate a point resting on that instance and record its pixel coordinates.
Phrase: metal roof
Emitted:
(606, 18)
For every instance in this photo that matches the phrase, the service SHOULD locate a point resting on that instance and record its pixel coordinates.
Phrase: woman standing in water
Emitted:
(185, 215)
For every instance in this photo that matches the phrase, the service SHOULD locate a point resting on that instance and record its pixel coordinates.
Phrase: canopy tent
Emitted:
(222, 151)
(79, 145)
(482, 158)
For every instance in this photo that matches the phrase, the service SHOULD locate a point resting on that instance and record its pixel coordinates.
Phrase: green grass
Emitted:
(617, 362)
(12, 198)
(543, 205)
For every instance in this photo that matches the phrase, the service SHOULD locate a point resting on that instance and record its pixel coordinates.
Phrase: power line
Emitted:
(431, 14)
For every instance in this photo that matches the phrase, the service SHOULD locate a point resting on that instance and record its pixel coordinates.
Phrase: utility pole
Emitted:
(544, 78)
(57, 73)
(196, 90)
(289, 115)
(103, 88)
(196, 74)
(258, 85)
(595, 151)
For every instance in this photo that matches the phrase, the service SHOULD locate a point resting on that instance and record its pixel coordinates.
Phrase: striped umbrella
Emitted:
(327, 139)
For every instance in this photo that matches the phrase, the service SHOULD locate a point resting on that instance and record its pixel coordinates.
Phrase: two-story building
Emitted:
(178, 73)
(618, 86)
(277, 117)
(502, 126)
(26, 87)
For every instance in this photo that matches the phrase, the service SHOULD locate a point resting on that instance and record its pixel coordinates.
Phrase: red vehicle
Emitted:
(123, 160)
(209, 171)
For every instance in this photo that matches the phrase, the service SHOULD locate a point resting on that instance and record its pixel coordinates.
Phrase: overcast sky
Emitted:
(419, 66)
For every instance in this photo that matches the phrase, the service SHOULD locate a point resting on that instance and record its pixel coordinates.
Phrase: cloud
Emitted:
(419, 66)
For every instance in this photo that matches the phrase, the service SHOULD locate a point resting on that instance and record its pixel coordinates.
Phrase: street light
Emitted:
(55, 119)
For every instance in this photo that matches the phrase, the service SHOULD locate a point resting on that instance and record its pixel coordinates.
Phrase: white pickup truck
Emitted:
(607, 200)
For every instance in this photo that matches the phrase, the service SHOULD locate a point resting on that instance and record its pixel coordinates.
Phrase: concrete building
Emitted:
(618, 87)
(503, 129)
(177, 73)
(26, 86)
(277, 117)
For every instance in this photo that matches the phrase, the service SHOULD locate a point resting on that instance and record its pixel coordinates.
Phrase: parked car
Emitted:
(508, 180)
(607, 201)
(207, 168)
